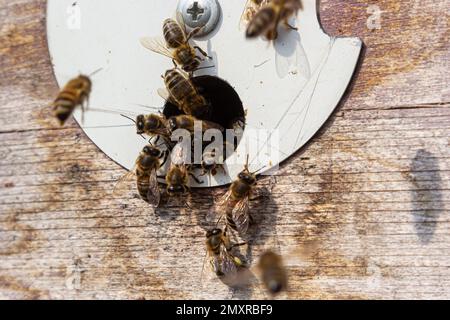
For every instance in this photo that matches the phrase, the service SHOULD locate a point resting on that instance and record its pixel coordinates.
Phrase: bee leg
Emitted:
(289, 26)
(156, 141)
(237, 245)
(166, 156)
(203, 52)
(193, 33)
(174, 63)
(82, 113)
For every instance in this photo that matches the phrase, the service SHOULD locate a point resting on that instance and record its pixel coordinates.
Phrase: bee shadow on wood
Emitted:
(427, 195)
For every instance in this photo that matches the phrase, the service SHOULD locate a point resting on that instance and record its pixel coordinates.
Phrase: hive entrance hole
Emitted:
(225, 105)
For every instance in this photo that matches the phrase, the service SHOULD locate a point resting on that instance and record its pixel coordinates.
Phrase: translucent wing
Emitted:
(241, 215)
(250, 9)
(157, 45)
(124, 183)
(290, 55)
(181, 23)
(224, 265)
(219, 209)
(164, 93)
(154, 194)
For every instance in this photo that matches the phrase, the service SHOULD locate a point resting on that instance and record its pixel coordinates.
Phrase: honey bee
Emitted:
(149, 161)
(177, 45)
(268, 15)
(75, 93)
(181, 91)
(210, 163)
(153, 125)
(273, 272)
(235, 203)
(177, 177)
(187, 122)
(223, 262)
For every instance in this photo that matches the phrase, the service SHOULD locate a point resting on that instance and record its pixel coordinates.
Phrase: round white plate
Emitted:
(288, 88)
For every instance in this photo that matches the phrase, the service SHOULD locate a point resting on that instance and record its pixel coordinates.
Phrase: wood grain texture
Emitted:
(371, 190)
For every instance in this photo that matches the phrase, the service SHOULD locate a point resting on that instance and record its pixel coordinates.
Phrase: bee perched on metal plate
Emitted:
(153, 125)
(177, 46)
(150, 159)
(268, 15)
(223, 262)
(75, 93)
(181, 92)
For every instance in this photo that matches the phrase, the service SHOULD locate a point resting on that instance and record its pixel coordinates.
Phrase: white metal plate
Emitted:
(293, 85)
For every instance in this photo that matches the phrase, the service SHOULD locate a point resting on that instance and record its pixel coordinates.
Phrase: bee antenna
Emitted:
(246, 162)
(148, 107)
(128, 118)
(95, 72)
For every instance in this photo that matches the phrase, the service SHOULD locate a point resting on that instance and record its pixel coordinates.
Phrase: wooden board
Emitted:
(371, 190)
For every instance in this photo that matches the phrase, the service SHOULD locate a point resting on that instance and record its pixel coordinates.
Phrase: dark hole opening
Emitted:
(225, 105)
(225, 109)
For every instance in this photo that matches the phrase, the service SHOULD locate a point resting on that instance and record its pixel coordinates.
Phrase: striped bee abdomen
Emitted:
(173, 34)
(263, 20)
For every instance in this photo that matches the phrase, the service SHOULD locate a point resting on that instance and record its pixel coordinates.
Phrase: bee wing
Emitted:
(181, 23)
(153, 194)
(250, 9)
(124, 182)
(241, 215)
(156, 45)
(291, 61)
(219, 209)
(164, 93)
(226, 263)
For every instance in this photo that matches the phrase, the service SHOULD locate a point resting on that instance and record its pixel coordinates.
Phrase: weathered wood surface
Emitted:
(371, 189)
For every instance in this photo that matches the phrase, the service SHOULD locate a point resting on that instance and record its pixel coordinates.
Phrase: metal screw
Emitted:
(195, 11)
(200, 13)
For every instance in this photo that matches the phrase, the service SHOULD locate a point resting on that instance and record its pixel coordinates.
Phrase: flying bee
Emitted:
(149, 161)
(235, 203)
(188, 122)
(269, 15)
(219, 247)
(177, 46)
(181, 91)
(250, 9)
(273, 272)
(75, 93)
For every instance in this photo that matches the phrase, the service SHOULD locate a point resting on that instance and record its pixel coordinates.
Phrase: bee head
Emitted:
(176, 189)
(140, 124)
(172, 124)
(192, 66)
(274, 286)
(213, 232)
(85, 82)
(247, 177)
(151, 151)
